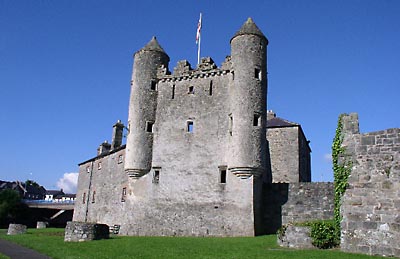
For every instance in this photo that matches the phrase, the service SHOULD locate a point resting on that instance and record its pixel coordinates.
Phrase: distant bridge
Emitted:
(51, 211)
(44, 204)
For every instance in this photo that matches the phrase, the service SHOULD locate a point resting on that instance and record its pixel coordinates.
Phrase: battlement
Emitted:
(184, 70)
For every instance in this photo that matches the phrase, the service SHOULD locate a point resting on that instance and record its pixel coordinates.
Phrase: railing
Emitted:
(49, 201)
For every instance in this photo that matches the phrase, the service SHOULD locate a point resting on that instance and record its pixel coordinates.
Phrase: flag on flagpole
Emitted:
(198, 30)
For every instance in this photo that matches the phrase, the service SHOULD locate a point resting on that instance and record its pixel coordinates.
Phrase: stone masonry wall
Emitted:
(371, 204)
(296, 202)
(82, 231)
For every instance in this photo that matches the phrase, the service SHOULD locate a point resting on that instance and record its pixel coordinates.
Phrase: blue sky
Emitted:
(65, 69)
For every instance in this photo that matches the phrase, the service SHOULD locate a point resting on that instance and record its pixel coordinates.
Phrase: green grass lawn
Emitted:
(51, 242)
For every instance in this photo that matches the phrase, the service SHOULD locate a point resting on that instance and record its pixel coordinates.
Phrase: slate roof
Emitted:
(153, 45)
(249, 27)
(277, 122)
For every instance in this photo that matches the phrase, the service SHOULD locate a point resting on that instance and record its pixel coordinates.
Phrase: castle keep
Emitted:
(196, 161)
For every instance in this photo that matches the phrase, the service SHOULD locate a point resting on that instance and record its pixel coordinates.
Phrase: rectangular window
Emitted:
(191, 90)
(223, 176)
(123, 196)
(222, 173)
(120, 159)
(149, 126)
(189, 126)
(156, 176)
(93, 196)
(230, 126)
(173, 92)
(153, 85)
(257, 73)
(211, 88)
(88, 169)
(257, 120)
(84, 198)
(99, 166)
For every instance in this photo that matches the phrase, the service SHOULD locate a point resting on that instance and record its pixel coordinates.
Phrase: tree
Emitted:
(11, 207)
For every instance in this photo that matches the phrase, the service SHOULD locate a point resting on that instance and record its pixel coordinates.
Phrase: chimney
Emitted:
(103, 148)
(270, 114)
(118, 130)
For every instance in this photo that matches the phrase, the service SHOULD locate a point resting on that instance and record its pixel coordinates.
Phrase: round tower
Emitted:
(248, 100)
(142, 108)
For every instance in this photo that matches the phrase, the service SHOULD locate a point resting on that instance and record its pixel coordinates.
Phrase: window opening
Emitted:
(173, 92)
(120, 159)
(156, 176)
(123, 196)
(84, 198)
(230, 124)
(191, 90)
(153, 85)
(257, 120)
(88, 169)
(257, 73)
(149, 126)
(190, 126)
(211, 88)
(222, 176)
(99, 166)
(93, 196)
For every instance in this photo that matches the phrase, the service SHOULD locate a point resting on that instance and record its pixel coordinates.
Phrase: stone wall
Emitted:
(295, 237)
(371, 204)
(83, 231)
(296, 202)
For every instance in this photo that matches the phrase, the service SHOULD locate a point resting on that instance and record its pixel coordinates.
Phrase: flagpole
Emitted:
(198, 38)
(198, 51)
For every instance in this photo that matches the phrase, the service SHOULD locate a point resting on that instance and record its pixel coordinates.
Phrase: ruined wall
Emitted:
(371, 204)
(296, 202)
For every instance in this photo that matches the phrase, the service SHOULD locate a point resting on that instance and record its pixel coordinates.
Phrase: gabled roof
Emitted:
(54, 192)
(277, 122)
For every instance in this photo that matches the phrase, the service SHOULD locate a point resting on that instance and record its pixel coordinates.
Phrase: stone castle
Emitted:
(198, 159)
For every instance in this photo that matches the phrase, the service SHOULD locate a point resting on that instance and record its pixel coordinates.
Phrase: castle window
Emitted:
(120, 159)
(222, 178)
(230, 126)
(84, 198)
(191, 90)
(123, 196)
(189, 126)
(173, 92)
(93, 197)
(222, 174)
(257, 120)
(156, 176)
(99, 166)
(88, 169)
(153, 85)
(233, 75)
(149, 126)
(257, 73)
(210, 92)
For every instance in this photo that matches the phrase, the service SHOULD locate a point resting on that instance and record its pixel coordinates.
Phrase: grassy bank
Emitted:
(51, 242)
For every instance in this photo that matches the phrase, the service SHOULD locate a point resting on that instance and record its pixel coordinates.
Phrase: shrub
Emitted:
(324, 234)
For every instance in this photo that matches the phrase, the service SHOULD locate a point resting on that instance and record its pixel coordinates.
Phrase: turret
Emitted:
(247, 156)
(142, 108)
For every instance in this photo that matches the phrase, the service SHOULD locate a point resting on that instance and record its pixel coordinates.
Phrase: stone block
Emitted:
(16, 229)
(295, 237)
(41, 224)
(83, 231)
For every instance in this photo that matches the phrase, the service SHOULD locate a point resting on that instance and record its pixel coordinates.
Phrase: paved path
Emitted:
(15, 251)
